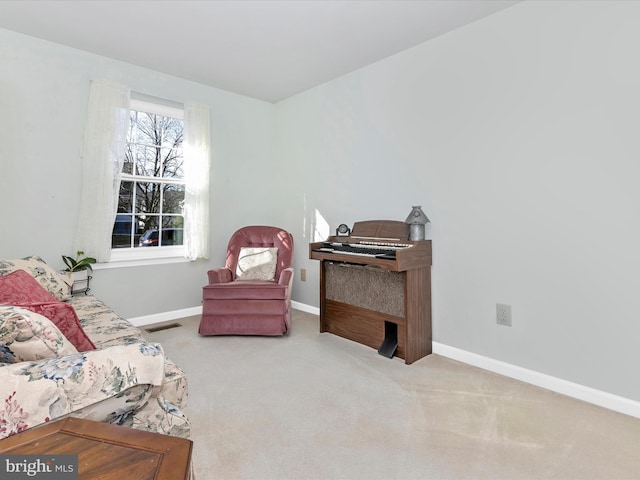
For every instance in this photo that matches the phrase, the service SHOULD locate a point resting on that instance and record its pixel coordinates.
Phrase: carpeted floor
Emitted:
(316, 406)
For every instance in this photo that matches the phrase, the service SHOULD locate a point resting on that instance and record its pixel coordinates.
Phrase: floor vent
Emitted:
(162, 327)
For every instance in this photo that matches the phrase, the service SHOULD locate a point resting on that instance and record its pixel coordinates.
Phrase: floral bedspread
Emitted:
(125, 381)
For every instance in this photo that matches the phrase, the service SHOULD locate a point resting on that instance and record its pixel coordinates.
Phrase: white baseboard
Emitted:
(558, 385)
(305, 308)
(165, 316)
(188, 312)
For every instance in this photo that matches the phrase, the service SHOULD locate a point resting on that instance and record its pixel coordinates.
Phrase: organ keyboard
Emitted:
(384, 250)
(383, 243)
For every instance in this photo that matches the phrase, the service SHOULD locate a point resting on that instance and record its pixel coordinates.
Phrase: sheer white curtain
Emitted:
(102, 156)
(197, 154)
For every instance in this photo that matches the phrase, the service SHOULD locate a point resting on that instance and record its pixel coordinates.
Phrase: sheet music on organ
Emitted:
(380, 230)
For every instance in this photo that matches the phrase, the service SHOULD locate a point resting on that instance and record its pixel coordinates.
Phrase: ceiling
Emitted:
(266, 49)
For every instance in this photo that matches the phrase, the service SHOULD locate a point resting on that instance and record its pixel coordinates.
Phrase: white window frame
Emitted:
(133, 254)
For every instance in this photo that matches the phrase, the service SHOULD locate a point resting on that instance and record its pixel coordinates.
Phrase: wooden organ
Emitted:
(375, 288)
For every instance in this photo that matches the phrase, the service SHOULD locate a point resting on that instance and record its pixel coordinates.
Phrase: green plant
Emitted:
(78, 264)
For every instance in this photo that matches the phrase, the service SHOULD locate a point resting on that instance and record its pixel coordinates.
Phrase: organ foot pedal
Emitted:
(390, 343)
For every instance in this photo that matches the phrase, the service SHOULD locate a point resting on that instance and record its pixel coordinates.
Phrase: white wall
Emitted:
(518, 135)
(43, 99)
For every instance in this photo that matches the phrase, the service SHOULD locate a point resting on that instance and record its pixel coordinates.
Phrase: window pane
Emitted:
(142, 128)
(172, 221)
(173, 199)
(123, 229)
(146, 160)
(127, 166)
(149, 228)
(171, 236)
(172, 163)
(148, 222)
(168, 134)
(170, 131)
(148, 197)
(171, 231)
(125, 199)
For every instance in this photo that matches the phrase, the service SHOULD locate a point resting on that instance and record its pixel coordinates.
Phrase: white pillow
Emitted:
(26, 335)
(257, 263)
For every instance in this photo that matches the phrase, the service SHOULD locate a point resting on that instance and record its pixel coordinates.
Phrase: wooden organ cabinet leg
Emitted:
(418, 316)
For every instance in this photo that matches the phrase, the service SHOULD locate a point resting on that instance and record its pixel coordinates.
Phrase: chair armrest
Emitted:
(286, 277)
(219, 275)
(35, 392)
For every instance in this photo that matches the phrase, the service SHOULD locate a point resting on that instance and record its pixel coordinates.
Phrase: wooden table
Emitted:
(105, 451)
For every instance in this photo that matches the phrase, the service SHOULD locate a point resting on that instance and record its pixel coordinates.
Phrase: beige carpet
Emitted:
(316, 406)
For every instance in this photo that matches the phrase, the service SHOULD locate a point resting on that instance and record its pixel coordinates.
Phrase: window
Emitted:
(150, 217)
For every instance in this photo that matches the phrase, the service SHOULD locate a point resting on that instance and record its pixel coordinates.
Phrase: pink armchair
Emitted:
(251, 294)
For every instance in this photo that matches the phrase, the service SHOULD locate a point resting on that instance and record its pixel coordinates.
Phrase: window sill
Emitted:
(139, 263)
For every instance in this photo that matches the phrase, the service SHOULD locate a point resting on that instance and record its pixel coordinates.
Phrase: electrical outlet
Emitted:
(303, 274)
(503, 314)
